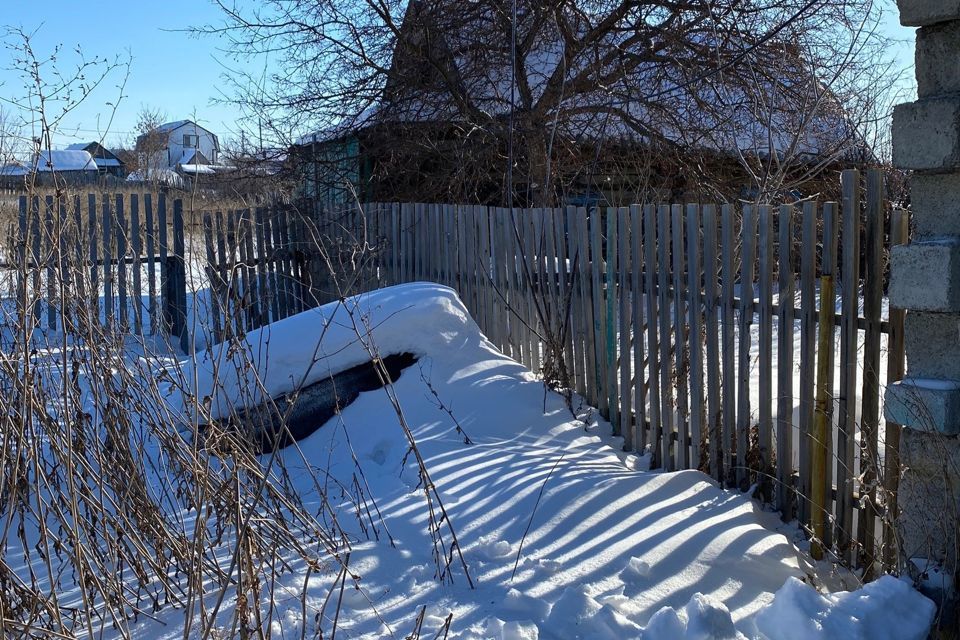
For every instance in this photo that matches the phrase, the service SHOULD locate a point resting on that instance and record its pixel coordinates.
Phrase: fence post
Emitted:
(175, 291)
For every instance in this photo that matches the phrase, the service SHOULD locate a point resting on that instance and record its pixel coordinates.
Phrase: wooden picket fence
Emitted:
(118, 258)
(669, 319)
(665, 318)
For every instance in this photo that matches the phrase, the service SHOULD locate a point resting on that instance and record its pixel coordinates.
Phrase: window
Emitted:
(190, 141)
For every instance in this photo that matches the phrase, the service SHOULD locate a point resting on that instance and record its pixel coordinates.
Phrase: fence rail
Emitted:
(745, 341)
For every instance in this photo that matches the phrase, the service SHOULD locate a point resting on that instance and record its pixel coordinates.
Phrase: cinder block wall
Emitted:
(925, 280)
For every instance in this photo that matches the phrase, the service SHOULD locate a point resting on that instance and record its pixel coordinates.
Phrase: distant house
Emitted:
(66, 163)
(107, 162)
(182, 146)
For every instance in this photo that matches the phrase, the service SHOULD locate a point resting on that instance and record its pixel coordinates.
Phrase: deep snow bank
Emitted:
(607, 552)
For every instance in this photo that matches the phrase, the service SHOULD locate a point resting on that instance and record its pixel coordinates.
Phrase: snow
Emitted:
(562, 537)
(65, 160)
(887, 608)
(197, 168)
(933, 384)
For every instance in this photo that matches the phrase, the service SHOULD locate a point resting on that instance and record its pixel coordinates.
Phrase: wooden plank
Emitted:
(498, 272)
(532, 290)
(808, 351)
(212, 277)
(220, 287)
(849, 363)
(508, 275)
(299, 245)
(109, 248)
(599, 320)
(542, 301)
(625, 397)
(637, 328)
(653, 353)
(287, 243)
(252, 276)
(136, 237)
(490, 309)
(552, 290)
(470, 227)
(712, 420)
(449, 245)
(401, 249)
(262, 253)
(680, 338)
(241, 276)
(163, 246)
(49, 234)
(610, 321)
(93, 237)
(461, 233)
(899, 232)
(578, 338)
(870, 394)
(765, 336)
(410, 249)
(666, 365)
(178, 275)
(508, 255)
(514, 287)
(281, 264)
(231, 275)
(820, 443)
(121, 240)
(695, 337)
(22, 261)
(150, 236)
(564, 293)
(67, 267)
(78, 258)
(586, 306)
(728, 347)
(421, 247)
(785, 336)
(748, 241)
(393, 250)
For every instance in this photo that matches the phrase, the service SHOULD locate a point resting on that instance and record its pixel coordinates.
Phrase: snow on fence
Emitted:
(723, 338)
(104, 255)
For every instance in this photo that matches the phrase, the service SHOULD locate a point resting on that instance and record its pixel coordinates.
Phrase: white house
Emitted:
(182, 146)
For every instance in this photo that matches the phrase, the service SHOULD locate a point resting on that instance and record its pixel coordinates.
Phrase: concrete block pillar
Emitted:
(925, 280)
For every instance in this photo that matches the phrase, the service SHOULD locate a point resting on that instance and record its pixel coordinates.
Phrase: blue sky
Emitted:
(172, 71)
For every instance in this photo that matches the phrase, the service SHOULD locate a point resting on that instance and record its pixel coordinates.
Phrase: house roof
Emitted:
(64, 160)
(167, 127)
(101, 155)
(13, 169)
(193, 156)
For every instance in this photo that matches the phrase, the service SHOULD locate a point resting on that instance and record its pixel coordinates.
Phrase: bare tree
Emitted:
(542, 93)
(150, 144)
